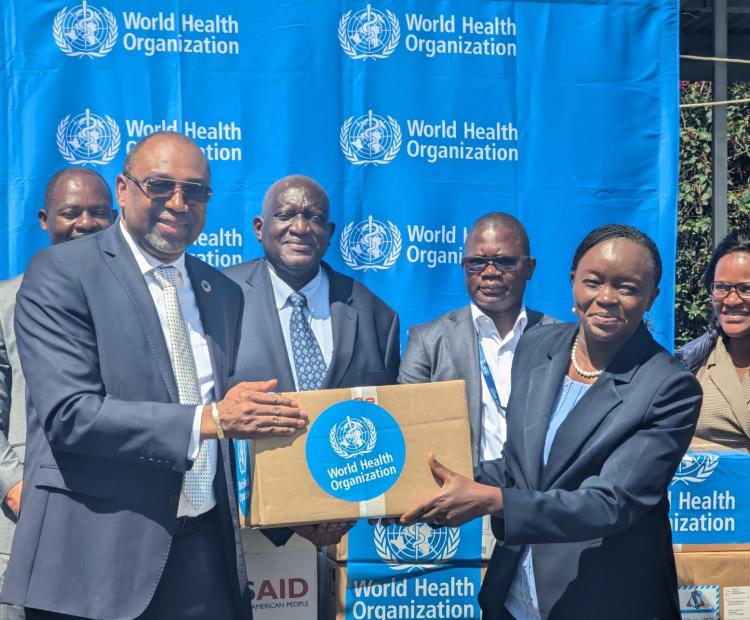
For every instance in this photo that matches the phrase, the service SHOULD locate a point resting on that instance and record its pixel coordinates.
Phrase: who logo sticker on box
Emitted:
(364, 453)
(355, 451)
(709, 498)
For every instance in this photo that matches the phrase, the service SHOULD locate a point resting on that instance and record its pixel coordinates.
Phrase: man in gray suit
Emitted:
(304, 324)
(77, 202)
(477, 342)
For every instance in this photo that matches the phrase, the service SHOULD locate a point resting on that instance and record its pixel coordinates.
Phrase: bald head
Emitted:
(294, 228)
(163, 192)
(296, 186)
(77, 202)
(498, 220)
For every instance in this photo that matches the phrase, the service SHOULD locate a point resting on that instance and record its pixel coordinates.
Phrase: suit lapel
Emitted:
(601, 398)
(462, 347)
(344, 320)
(263, 320)
(209, 308)
(120, 260)
(544, 385)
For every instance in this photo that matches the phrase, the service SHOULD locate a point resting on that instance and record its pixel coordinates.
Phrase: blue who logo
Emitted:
(88, 139)
(370, 139)
(370, 244)
(415, 546)
(85, 30)
(355, 451)
(695, 467)
(369, 33)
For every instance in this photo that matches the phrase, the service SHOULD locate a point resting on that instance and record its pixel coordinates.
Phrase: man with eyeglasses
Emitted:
(77, 202)
(128, 343)
(477, 342)
(305, 324)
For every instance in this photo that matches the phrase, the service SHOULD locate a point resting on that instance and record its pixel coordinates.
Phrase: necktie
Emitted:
(197, 483)
(308, 360)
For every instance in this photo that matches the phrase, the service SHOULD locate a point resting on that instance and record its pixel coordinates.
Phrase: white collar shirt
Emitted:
(498, 352)
(147, 264)
(317, 312)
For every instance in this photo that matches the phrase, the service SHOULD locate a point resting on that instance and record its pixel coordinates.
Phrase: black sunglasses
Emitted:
(502, 262)
(157, 188)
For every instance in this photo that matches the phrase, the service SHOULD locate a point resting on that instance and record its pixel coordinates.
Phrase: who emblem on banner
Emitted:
(370, 139)
(85, 30)
(369, 33)
(418, 546)
(88, 139)
(370, 244)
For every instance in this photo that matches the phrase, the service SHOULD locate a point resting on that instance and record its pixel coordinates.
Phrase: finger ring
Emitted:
(275, 420)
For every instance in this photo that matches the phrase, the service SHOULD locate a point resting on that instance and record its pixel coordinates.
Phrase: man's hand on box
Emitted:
(460, 499)
(250, 411)
(324, 534)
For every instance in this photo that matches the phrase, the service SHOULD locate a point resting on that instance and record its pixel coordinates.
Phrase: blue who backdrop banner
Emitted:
(417, 117)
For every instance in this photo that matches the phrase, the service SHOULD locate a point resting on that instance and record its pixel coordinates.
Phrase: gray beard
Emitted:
(163, 245)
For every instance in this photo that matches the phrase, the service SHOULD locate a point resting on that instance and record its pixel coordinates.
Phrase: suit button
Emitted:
(173, 499)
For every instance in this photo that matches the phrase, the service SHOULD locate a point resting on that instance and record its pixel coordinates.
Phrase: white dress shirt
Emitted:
(147, 264)
(499, 354)
(317, 312)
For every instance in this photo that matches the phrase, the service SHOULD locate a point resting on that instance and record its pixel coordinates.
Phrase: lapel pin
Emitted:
(206, 286)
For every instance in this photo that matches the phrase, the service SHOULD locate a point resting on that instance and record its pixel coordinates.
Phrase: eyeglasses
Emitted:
(157, 188)
(720, 290)
(477, 264)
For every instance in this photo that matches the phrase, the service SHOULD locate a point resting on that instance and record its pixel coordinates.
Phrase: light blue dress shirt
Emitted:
(522, 601)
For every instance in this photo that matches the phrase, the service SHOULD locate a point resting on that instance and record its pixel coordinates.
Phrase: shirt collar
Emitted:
(486, 327)
(314, 291)
(147, 263)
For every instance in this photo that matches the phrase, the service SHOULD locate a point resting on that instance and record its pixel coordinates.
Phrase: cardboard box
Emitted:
(449, 592)
(714, 585)
(363, 454)
(709, 497)
(283, 580)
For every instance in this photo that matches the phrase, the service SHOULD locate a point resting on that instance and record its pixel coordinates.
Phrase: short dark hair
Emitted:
(735, 241)
(127, 166)
(619, 231)
(503, 220)
(66, 172)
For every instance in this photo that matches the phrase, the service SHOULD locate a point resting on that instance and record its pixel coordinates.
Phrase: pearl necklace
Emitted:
(586, 374)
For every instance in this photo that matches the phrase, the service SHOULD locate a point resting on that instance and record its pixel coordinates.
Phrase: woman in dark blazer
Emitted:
(598, 420)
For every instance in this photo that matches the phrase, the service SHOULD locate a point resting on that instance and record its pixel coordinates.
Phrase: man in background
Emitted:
(77, 202)
(305, 324)
(476, 343)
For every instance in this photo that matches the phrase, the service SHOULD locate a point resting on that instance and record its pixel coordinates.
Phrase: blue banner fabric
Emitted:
(416, 117)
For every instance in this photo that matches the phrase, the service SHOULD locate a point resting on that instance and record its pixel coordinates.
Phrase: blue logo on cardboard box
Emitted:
(709, 498)
(413, 571)
(242, 475)
(355, 450)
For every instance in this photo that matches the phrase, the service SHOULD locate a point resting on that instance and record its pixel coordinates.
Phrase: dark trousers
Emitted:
(194, 584)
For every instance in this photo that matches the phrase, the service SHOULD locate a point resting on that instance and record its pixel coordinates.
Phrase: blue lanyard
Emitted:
(485, 367)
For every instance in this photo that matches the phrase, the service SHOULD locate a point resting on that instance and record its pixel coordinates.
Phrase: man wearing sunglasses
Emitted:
(477, 342)
(128, 343)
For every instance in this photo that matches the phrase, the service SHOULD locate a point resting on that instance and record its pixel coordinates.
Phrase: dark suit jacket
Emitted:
(446, 349)
(365, 333)
(596, 516)
(107, 443)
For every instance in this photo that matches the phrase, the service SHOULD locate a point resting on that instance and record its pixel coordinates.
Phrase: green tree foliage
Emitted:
(692, 307)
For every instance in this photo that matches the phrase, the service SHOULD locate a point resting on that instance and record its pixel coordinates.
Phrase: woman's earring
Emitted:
(649, 324)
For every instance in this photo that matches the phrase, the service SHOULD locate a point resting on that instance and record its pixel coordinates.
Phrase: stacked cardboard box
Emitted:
(283, 580)
(710, 514)
(399, 572)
